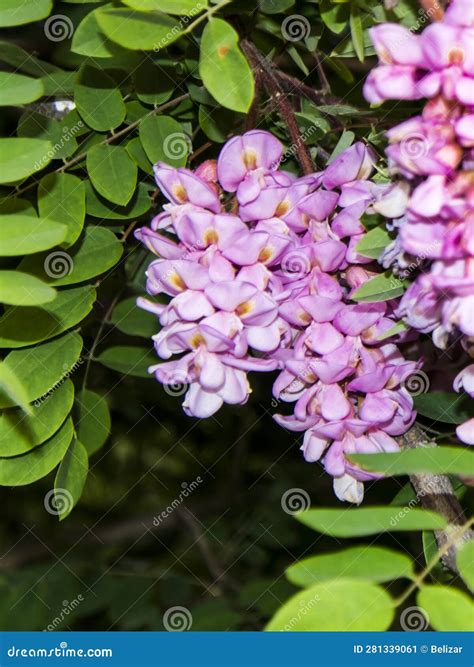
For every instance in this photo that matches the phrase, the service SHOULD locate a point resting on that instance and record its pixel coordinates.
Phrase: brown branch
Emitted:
(436, 493)
(274, 89)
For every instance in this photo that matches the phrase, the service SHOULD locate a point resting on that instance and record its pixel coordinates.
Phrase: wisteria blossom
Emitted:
(433, 152)
(259, 267)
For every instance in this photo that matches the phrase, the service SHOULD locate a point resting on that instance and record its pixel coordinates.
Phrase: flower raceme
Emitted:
(258, 267)
(433, 152)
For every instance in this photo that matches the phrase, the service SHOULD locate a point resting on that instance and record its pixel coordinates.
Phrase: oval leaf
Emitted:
(24, 325)
(41, 368)
(19, 433)
(16, 89)
(382, 288)
(21, 157)
(28, 468)
(223, 67)
(163, 139)
(336, 605)
(128, 360)
(98, 99)
(376, 564)
(70, 478)
(447, 609)
(62, 197)
(23, 234)
(434, 460)
(139, 30)
(369, 520)
(92, 420)
(112, 172)
(21, 289)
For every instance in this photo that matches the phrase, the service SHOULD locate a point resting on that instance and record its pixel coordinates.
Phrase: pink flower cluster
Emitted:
(434, 154)
(258, 267)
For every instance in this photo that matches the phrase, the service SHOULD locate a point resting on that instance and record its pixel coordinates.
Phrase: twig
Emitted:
(436, 493)
(274, 89)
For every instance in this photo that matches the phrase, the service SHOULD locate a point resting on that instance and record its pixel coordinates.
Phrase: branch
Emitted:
(436, 493)
(265, 70)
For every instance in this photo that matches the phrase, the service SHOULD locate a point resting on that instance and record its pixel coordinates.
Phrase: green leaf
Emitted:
(154, 84)
(399, 327)
(13, 387)
(178, 7)
(98, 207)
(70, 478)
(335, 16)
(40, 368)
(336, 605)
(16, 89)
(346, 48)
(465, 563)
(98, 99)
(216, 122)
(21, 289)
(136, 151)
(345, 140)
(447, 609)
(18, 12)
(23, 234)
(446, 407)
(20, 157)
(376, 564)
(369, 520)
(381, 288)
(163, 140)
(62, 197)
(25, 325)
(89, 40)
(36, 125)
(374, 243)
(19, 433)
(139, 31)
(128, 360)
(427, 460)
(92, 421)
(96, 251)
(357, 32)
(28, 468)
(22, 61)
(223, 67)
(112, 172)
(134, 321)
